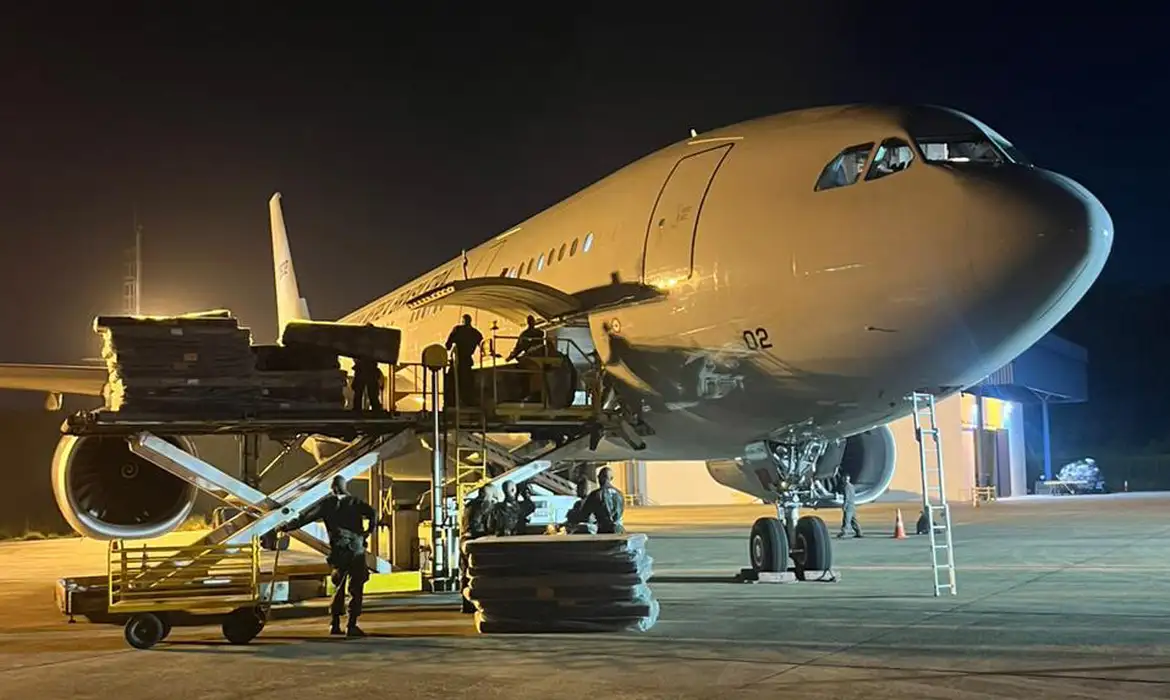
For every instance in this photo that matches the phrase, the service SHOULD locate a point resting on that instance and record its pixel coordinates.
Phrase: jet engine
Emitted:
(107, 492)
(868, 458)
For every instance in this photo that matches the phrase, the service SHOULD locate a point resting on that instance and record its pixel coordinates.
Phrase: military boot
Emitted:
(335, 627)
(353, 631)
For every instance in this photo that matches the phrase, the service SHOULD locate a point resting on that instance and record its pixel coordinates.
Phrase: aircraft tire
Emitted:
(814, 547)
(768, 546)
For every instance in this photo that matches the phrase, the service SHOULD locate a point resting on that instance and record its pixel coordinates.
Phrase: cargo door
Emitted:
(482, 266)
(669, 250)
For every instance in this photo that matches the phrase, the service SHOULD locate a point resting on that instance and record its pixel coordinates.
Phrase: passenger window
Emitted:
(588, 242)
(561, 254)
(573, 248)
(529, 266)
(552, 253)
(504, 272)
(845, 169)
(540, 263)
(893, 156)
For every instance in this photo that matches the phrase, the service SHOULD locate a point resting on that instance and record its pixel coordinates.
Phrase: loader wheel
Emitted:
(144, 630)
(242, 625)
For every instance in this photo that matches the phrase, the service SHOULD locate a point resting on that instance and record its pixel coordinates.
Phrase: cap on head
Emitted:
(509, 488)
(339, 485)
(604, 476)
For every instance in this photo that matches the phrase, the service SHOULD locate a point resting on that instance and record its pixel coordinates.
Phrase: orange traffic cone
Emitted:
(899, 527)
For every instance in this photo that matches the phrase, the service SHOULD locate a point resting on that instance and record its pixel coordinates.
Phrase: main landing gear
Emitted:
(803, 540)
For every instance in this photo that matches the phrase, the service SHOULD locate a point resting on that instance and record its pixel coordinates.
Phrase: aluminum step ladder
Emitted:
(934, 493)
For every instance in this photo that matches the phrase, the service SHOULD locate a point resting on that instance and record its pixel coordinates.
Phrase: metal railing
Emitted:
(182, 577)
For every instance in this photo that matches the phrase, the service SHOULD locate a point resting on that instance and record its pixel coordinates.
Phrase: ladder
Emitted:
(934, 493)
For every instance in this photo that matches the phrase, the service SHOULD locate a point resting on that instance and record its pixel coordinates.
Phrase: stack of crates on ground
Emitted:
(560, 583)
(180, 364)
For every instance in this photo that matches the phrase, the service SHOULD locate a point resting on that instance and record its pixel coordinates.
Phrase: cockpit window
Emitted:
(963, 149)
(893, 156)
(845, 169)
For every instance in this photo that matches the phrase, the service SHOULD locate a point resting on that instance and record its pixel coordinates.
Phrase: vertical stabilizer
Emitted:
(290, 305)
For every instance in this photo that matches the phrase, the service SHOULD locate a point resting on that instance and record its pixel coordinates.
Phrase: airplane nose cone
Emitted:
(1037, 242)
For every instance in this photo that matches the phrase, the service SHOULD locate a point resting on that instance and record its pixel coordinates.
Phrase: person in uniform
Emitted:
(922, 527)
(849, 508)
(530, 338)
(465, 339)
(342, 515)
(510, 516)
(606, 505)
(366, 384)
(579, 522)
(477, 522)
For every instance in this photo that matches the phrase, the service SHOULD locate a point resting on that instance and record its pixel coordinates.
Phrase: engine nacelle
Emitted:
(107, 492)
(868, 458)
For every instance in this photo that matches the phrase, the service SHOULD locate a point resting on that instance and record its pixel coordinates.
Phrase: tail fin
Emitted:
(290, 305)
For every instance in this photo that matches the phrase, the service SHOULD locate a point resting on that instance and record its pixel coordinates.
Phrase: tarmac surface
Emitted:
(1057, 598)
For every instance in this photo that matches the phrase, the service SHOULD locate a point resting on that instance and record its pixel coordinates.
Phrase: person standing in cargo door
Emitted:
(342, 515)
(465, 339)
(849, 508)
(606, 504)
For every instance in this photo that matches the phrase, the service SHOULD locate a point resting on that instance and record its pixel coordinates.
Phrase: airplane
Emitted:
(762, 297)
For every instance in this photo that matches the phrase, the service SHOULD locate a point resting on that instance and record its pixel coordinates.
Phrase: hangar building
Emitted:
(988, 452)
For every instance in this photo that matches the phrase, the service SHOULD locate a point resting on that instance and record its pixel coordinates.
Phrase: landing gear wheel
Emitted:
(814, 549)
(242, 625)
(768, 546)
(166, 623)
(144, 630)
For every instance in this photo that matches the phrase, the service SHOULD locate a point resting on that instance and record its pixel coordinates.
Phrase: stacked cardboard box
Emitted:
(196, 363)
(561, 583)
(299, 378)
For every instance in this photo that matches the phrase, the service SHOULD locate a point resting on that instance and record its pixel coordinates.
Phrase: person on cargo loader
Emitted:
(342, 515)
(366, 383)
(465, 339)
(511, 515)
(606, 504)
(530, 338)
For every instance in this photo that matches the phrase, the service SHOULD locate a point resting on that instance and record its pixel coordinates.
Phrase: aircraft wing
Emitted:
(84, 380)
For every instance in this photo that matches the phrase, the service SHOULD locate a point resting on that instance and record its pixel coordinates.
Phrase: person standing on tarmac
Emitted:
(477, 522)
(510, 516)
(849, 508)
(606, 505)
(465, 339)
(579, 522)
(342, 515)
(530, 338)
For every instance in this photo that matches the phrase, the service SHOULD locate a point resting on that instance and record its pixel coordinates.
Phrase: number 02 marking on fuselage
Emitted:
(757, 339)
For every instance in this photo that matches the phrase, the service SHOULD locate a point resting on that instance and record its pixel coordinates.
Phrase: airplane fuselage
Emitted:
(792, 308)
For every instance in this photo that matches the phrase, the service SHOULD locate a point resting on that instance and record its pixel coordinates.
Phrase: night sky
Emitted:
(399, 138)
